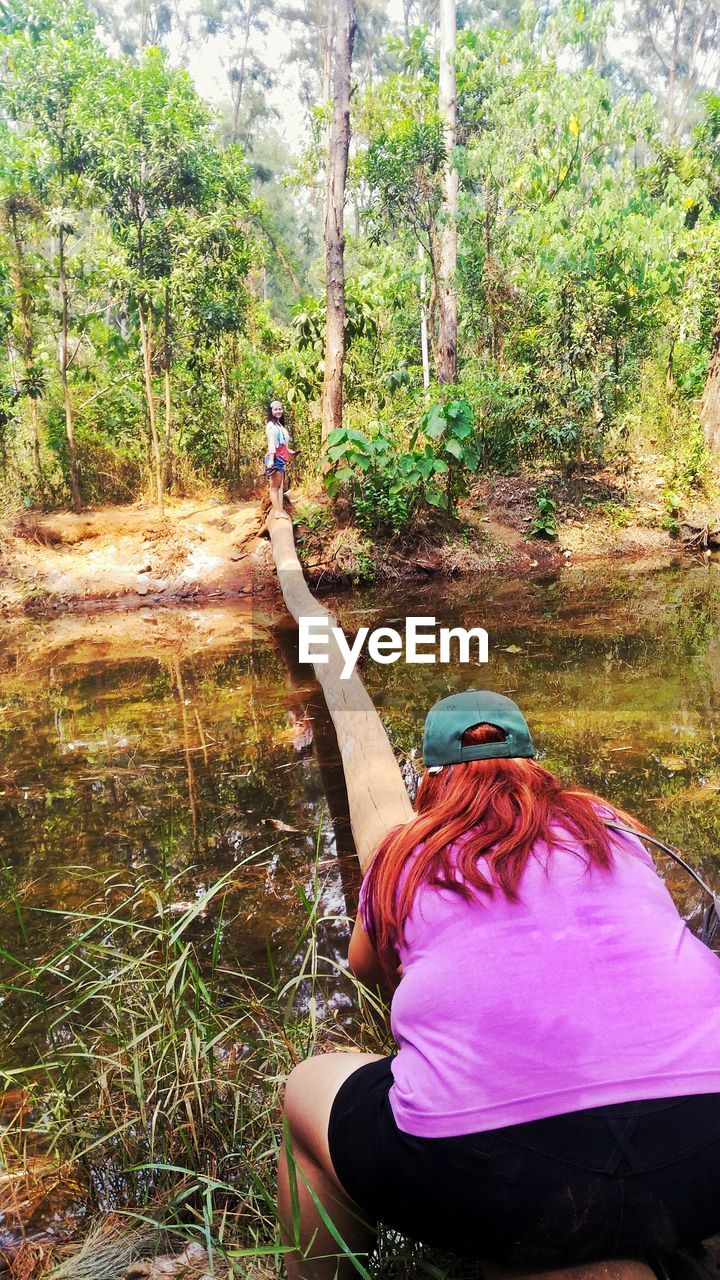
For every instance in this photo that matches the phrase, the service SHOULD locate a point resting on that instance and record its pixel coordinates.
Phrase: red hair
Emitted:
(502, 808)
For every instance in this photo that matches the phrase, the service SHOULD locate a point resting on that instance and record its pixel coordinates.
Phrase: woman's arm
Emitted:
(270, 437)
(363, 959)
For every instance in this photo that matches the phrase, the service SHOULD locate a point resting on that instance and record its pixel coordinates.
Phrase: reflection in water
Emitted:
(185, 762)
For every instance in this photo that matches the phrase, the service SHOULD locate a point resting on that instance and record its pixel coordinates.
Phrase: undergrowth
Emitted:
(143, 1085)
(148, 1075)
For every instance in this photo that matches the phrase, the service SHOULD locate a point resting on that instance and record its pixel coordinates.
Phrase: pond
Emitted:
(195, 749)
(177, 747)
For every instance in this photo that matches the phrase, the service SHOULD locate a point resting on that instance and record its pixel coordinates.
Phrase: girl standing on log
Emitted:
(277, 457)
(555, 1095)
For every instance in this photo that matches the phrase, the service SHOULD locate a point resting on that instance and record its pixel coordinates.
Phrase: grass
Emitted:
(147, 1115)
(149, 1108)
(143, 1108)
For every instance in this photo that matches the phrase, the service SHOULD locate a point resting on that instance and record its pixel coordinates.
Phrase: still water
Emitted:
(183, 744)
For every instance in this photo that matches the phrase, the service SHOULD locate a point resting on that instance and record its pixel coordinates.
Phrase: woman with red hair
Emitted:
(555, 1095)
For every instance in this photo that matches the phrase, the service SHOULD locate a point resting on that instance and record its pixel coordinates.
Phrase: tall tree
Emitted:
(239, 27)
(678, 54)
(48, 52)
(20, 218)
(707, 138)
(135, 25)
(447, 105)
(147, 147)
(332, 401)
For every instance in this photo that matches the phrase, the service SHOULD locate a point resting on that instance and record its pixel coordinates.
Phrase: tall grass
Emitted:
(152, 1084)
(144, 1108)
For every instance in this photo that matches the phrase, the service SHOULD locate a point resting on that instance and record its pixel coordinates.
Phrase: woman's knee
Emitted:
(309, 1094)
(299, 1091)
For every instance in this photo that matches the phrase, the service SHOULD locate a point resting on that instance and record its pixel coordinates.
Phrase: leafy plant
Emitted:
(451, 427)
(673, 506)
(383, 483)
(544, 525)
(387, 479)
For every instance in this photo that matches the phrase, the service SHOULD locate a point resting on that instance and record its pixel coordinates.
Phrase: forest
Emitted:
(164, 268)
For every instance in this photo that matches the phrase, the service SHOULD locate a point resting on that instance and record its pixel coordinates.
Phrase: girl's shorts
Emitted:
(627, 1180)
(279, 464)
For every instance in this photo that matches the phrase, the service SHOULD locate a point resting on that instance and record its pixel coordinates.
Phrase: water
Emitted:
(183, 762)
(161, 750)
(181, 744)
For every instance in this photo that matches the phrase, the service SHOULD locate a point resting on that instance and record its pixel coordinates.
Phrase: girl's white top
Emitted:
(277, 435)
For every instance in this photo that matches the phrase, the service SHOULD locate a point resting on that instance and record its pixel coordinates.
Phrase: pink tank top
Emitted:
(589, 990)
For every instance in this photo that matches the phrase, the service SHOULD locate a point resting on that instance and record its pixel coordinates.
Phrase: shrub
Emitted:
(388, 479)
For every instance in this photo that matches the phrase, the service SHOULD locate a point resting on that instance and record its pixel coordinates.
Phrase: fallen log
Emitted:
(377, 797)
(378, 801)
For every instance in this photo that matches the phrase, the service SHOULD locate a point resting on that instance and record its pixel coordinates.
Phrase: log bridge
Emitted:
(378, 801)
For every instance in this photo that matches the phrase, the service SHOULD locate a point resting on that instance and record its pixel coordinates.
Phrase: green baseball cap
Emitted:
(448, 720)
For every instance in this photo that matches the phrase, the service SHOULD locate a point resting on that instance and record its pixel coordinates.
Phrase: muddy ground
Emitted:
(200, 550)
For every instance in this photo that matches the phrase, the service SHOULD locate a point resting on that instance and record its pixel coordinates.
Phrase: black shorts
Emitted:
(627, 1180)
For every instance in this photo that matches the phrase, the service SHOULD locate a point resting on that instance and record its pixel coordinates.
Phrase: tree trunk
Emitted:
(432, 317)
(168, 394)
(672, 69)
(168, 430)
(22, 289)
(36, 439)
(147, 368)
(423, 321)
(447, 295)
(496, 329)
(710, 408)
(67, 402)
(332, 399)
(670, 366)
(240, 83)
(327, 71)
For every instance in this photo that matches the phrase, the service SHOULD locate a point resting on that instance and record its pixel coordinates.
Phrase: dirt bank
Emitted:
(198, 551)
(213, 550)
(594, 514)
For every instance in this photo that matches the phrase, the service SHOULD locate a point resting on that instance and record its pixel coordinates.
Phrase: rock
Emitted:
(145, 568)
(142, 588)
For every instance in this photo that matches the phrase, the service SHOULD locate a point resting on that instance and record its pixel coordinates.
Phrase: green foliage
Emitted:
(403, 168)
(122, 158)
(589, 248)
(384, 485)
(167, 1077)
(388, 479)
(450, 427)
(673, 505)
(545, 524)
